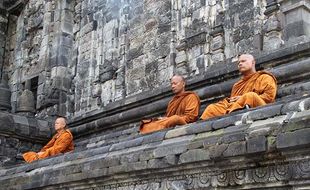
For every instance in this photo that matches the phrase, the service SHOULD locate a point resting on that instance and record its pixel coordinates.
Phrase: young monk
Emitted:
(182, 109)
(254, 89)
(61, 142)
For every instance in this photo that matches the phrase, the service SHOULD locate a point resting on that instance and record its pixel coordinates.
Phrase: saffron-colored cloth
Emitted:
(61, 142)
(182, 109)
(254, 90)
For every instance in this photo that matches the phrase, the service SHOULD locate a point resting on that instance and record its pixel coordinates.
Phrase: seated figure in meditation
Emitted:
(182, 109)
(255, 88)
(61, 142)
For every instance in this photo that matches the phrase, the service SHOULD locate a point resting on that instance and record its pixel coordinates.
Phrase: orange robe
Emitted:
(258, 89)
(61, 142)
(182, 109)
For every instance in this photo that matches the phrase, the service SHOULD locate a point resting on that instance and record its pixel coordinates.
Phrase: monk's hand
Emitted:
(233, 99)
(40, 153)
(160, 118)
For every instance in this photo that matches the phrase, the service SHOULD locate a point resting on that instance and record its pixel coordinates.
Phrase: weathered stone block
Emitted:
(129, 167)
(217, 43)
(194, 155)
(181, 57)
(291, 140)
(272, 41)
(20, 120)
(290, 107)
(218, 57)
(146, 155)
(110, 161)
(226, 121)
(168, 150)
(116, 169)
(180, 131)
(272, 24)
(256, 144)
(100, 150)
(235, 149)
(6, 122)
(264, 113)
(130, 158)
(298, 121)
(229, 138)
(171, 159)
(207, 135)
(158, 163)
(216, 151)
(199, 127)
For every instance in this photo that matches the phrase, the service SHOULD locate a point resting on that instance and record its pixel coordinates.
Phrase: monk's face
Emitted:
(60, 124)
(177, 85)
(246, 63)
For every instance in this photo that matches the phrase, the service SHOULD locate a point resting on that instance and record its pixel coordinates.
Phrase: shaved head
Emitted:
(63, 120)
(177, 84)
(247, 55)
(246, 64)
(60, 123)
(178, 77)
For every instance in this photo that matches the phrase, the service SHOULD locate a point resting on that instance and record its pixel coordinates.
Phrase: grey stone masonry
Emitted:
(106, 65)
(210, 88)
(81, 56)
(19, 134)
(226, 159)
(3, 31)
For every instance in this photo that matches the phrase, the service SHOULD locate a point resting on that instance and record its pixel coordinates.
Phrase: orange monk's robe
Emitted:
(61, 142)
(182, 109)
(258, 89)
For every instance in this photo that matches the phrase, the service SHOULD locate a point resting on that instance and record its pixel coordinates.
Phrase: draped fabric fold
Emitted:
(254, 90)
(61, 142)
(182, 109)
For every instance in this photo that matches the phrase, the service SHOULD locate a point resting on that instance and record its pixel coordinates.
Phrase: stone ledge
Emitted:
(157, 107)
(24, 127)
(230, 145)
(259, 114)
(211, 77)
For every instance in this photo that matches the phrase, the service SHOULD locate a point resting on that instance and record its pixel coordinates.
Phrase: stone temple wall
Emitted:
(82, 55)
(106, 65)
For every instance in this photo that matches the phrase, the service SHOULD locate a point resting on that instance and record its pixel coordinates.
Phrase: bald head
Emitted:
(60, 123)
(248, 56)
(178, 77)
(177, 84)
(246, 64)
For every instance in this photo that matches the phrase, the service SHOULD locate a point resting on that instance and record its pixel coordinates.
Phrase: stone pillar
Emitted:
(60, 56)
(272, 27)
(5, 94)
(3, 32)
(296, 20)
(25, 103)
(120, 90)
(217, 42)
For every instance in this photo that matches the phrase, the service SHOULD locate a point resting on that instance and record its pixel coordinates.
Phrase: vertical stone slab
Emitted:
(297, 22)
(272, 27)
(60, 55)
(3, 33)
(5, 94)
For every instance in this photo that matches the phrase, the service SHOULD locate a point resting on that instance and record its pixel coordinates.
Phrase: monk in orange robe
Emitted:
(61, 142)
(254, 89)
(182, 109)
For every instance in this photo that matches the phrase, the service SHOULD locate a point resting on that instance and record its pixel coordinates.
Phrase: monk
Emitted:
(254, 89)
(182, 109)
(61, 142)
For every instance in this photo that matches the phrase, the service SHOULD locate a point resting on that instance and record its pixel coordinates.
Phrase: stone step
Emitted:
(235, 141)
